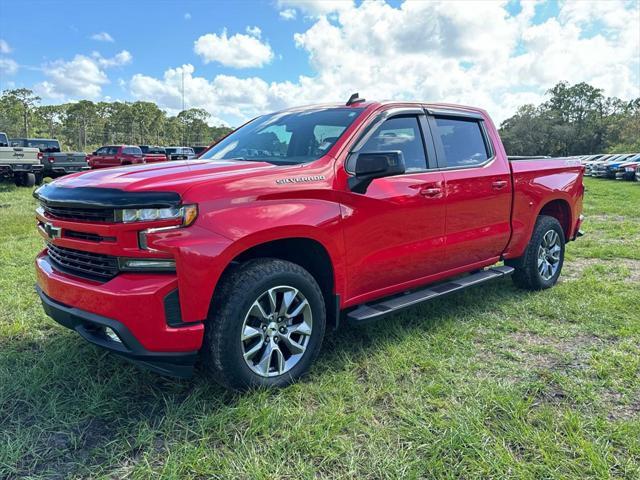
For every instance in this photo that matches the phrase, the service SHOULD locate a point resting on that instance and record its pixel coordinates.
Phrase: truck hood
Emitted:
(175, 176)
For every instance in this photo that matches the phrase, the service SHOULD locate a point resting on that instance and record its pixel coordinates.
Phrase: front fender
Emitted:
(204, 250)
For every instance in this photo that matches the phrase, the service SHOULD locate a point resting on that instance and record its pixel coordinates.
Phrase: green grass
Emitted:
(491, 383)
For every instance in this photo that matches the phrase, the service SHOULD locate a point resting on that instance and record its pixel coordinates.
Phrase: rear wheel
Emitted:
(18, 179)
(541, 264)
(30, 179)
(266, 326)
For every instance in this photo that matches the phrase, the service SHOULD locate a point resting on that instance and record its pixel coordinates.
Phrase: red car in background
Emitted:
(119, 155)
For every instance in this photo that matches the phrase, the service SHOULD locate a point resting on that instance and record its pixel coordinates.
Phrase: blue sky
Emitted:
(242, 58)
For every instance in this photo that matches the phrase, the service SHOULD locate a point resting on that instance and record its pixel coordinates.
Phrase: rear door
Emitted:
(478, 189)
(394, 232)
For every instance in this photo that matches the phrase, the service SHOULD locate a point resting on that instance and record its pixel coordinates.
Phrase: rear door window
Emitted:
(463, 142)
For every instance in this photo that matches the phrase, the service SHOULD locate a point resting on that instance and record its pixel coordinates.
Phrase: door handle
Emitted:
(431, 192)
(499, 184)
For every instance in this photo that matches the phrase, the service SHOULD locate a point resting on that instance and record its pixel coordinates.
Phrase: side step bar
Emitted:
(389, 305)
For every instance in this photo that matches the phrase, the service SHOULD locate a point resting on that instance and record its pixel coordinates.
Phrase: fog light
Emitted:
(147, 265)
(112, 335)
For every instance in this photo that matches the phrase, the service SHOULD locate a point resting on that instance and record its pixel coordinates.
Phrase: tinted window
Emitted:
(463, 142)
(4, 141)
(132, 151)
(286, 138)
(44, 145)
(112, 151)
(400, 133)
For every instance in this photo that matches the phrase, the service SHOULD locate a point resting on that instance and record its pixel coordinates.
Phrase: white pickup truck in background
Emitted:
(54, 160)
(22, 164)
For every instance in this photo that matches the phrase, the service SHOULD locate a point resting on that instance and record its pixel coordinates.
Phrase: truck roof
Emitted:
(400, 103)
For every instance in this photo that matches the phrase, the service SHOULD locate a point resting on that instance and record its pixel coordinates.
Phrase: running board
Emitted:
(389, 305)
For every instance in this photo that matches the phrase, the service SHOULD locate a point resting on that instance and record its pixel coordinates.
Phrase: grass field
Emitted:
(492, 383)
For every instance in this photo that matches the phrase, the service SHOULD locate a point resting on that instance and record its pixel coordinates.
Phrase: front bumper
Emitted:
(92, 327)
(133, 305)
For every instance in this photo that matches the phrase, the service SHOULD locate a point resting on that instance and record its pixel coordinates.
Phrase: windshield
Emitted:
(286, 138)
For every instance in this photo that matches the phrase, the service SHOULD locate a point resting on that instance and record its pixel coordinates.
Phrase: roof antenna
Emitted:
(355, 98)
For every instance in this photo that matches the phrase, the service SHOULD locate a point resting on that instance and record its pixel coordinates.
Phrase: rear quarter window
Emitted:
(463, 142)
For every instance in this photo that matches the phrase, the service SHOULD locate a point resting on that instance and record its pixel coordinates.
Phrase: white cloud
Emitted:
(463, 52)
(288, 14)
(187, 16)
(102, 37)
(4, 47)
(238, 51)
(254, 31)
(315, 8)
(8, 66)
(118, 60)
(81, 77)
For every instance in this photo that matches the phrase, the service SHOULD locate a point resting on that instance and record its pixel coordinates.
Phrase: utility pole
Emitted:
(183, 141)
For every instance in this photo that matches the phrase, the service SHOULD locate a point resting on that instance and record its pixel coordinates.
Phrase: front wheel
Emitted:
(541, 264)
(266, 326)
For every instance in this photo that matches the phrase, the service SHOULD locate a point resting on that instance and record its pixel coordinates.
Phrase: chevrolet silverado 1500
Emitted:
(292, 223)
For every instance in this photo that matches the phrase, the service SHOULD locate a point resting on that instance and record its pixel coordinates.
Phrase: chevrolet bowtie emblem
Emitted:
(52, 232)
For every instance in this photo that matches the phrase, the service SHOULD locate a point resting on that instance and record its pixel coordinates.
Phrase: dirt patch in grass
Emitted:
(573, 269)
(608, 218)
(619, 409)
(543, 352)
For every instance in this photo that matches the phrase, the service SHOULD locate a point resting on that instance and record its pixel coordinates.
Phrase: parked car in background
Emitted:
(180, 153)
(363, 209)
(20, 164)
(607, 169)
(627, 169)
(54, 161)
(115, 156)
(592, 164)
(199, 150)
(153, 154)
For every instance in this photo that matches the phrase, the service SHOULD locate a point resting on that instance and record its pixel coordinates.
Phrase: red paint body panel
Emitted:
(390, 239)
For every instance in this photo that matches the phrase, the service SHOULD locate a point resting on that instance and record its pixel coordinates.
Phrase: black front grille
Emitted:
(95, 266)
(91, 237)
(82, 214)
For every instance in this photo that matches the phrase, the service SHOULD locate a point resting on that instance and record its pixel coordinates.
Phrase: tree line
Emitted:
(575, 120)
(87, 125)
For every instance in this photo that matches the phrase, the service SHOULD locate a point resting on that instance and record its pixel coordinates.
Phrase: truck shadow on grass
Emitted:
(69, 407)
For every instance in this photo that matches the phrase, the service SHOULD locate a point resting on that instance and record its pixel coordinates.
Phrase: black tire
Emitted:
(39, 178)
(223, 350)
(19, 179)
(527, 274)
(29, 179)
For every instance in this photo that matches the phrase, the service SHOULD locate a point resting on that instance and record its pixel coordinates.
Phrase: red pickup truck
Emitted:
(119, 155)
(295, 221)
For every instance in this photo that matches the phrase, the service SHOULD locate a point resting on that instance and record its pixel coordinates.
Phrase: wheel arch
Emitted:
(310, 253)
(560, 209)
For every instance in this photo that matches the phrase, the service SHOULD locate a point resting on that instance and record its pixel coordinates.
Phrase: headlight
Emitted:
(187, 213)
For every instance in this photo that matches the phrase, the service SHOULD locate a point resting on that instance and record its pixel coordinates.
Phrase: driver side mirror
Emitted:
(369, 166)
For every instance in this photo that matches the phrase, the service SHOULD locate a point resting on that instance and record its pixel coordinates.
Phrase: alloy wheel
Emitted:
(276, 331)
(549, 253)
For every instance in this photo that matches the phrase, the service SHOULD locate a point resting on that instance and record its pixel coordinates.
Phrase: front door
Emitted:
(394, 232)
